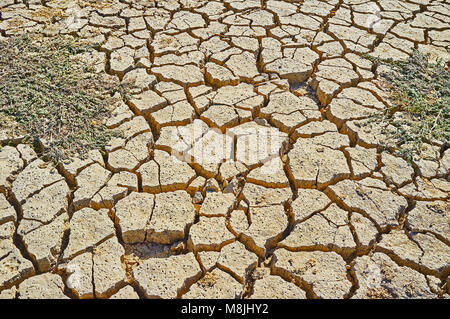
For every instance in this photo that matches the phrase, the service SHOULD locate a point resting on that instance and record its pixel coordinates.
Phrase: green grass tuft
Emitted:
(53, 97)
(421, 90)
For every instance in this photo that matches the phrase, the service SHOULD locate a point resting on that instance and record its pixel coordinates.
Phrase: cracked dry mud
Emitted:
(327, 212)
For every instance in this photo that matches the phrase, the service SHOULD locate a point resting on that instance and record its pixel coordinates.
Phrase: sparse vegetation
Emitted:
(421, 101)
(52, 97)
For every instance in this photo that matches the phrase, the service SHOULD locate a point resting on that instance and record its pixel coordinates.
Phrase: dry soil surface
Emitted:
(249, 165)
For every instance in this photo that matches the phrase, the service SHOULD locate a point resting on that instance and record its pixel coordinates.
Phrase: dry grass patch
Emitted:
(420, 95)
(58, 102)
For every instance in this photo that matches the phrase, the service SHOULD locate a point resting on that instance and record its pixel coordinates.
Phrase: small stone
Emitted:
(233, 187)
(211, 185)
(198, 198)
